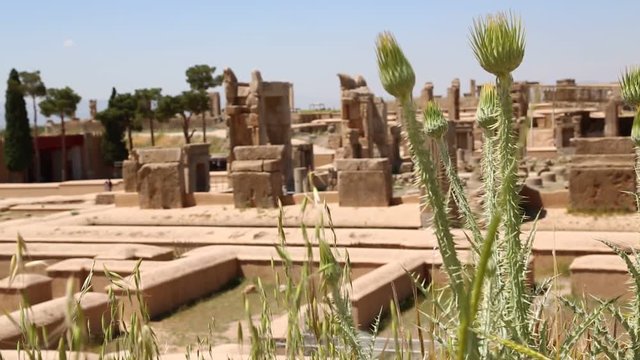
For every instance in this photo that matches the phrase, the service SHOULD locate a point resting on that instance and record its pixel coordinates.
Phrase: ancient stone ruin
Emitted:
(256, 175)
(364, 182)
(365, 132)
(166, 178)
(258, 113)
(602, 175)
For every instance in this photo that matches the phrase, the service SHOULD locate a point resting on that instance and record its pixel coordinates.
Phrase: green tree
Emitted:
(61, 102)
(147, 102)
(33, 87)
(183, 105)
(200, 79)
(125, 104)
(18, 145)
(113, 146)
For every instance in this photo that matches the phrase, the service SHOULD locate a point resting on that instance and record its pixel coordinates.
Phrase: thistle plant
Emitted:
(498, 43)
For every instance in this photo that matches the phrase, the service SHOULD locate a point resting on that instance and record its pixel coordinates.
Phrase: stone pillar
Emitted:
(453, 101)
(93, 108)
(611, 118)
(472, 88)
(301, 183)
(291, 101)
(426, 94)
(215, 105)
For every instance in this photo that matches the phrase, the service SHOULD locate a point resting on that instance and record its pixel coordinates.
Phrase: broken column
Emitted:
(130, 169)
(256, 175)
(161, 183)
(364, 182)
(611, 117)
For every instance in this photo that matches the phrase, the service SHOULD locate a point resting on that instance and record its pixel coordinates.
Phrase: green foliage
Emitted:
(32, 84)
(184, 105)
(201, 78)
(435, 125)
(144, 99)
(18, 144)
(118, 118)
(62, 102)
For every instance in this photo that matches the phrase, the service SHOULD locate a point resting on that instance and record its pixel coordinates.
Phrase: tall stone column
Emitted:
(453, 101)
(611, 117)
(426, 94)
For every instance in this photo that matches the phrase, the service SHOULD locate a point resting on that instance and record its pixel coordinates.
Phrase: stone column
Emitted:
(215, 105)
(426, 94)
(611, 118)
(472, 88)
(301, 183)
(453, 101)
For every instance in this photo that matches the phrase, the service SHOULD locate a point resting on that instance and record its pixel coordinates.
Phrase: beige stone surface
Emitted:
(50, 315)
(159, 155)
(258, 152)
(602, 188)
(362, 164)
(364, 188)
(30, 287)
(161, 186)
(603, 145)
(602, 276)
(178, 282)
(130, 175)
(261, 190)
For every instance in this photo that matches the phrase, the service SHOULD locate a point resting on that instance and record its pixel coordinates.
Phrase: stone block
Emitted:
(271, 166)
(251, 189)
(602, 188)
(258, 152)
(33, 288)
(106, 198)
(247, 166)
(373, 164)
(162, 186)
(159, 155)
(364, 188)
(130, 175)
(603, 145)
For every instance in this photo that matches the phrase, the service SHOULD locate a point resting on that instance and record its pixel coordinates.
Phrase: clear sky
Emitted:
(94, 45)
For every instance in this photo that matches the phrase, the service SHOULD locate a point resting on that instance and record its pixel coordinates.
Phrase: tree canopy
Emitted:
(200, 77)
(18, 145)
(61, 102)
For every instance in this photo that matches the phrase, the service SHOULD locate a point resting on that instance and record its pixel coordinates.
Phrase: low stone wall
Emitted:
(50, 317)
(178, 282)
(31, 288)
(78, 187)
(602, 276)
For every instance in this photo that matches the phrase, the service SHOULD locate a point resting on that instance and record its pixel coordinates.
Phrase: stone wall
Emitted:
(602, 174)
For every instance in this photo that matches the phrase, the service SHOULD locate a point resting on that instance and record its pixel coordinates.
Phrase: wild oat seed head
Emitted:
(498, 43)
(396, 73)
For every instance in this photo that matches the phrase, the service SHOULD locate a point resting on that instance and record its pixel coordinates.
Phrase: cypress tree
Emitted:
(18, 144)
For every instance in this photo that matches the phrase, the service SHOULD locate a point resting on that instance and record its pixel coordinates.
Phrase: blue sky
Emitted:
(92, 46)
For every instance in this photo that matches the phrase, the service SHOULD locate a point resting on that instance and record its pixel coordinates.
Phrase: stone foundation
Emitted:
(257, 176)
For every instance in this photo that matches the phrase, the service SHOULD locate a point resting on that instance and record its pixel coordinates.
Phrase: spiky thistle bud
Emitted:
(396, 73)
(488, 107)
(630, 86)
(498, 43)
(435, 124)
(635, 129)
